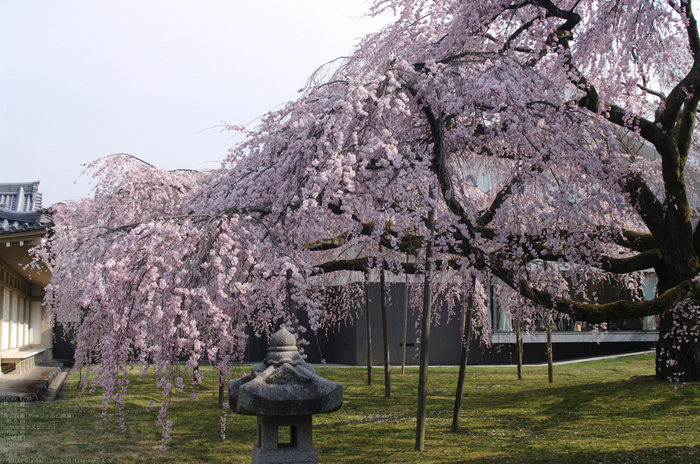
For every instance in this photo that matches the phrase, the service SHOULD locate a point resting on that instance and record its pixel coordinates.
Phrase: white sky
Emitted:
(83, 79)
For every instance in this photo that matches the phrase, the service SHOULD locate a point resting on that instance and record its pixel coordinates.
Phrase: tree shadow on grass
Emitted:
(637, 397)
(525, 422)
(671, 454)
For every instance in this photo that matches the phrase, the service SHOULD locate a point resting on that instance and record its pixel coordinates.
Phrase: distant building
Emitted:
(346, 344)
(25, 338)
(20, 197)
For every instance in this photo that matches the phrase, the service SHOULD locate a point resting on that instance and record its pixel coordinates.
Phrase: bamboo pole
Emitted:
(385, 335)
(467, 302)
(519, 336)
(425, 333)
(550, 354)
(405, 325)
(368, 331)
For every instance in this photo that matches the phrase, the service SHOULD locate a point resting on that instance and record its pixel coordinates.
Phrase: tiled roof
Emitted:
(16, 221)
(23, 196)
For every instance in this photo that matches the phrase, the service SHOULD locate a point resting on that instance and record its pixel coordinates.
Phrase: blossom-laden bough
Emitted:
(558, 139)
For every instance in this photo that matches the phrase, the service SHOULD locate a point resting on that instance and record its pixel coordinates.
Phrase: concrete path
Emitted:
(40, 383)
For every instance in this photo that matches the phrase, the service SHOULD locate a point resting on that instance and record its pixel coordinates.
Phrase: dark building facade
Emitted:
(347, 343)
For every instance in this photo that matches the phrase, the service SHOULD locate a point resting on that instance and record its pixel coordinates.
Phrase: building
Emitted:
(20, 197)
(25, 337)
(346, 343)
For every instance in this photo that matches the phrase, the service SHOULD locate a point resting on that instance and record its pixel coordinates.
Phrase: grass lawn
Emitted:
(594, 412)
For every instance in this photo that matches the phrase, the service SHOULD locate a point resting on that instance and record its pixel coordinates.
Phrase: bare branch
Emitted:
(487, 216)
(656, 93)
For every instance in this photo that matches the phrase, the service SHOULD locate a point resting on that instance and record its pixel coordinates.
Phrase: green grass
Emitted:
(595, 412)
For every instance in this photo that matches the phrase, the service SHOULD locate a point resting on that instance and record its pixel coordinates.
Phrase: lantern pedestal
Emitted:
(284, 439)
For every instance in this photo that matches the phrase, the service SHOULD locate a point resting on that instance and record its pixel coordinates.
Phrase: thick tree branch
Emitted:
(644, 201)
(693, 36)
(362, 265)
(687, 87)
(358, 264)
(328, 243)
(633, 240)
(438, 162)
(630, 239)
(517, 32)
(534, 250)
(262, 210)
(613, 113)
(639, 262)
(487, 216)
(650, 91)
(685, 129)
(476, 55)
(409, 243)
(598, 313)
(572, 19)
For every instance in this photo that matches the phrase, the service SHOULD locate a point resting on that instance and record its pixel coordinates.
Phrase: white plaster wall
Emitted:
(35, 323)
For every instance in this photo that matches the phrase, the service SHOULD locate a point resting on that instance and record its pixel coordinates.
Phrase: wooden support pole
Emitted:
(519, 337)
(467, 302)
(425, 333)
(405, 325)
(368, 331)
(550, 354)
(385, 329)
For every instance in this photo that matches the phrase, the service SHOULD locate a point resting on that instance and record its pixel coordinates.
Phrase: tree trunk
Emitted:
(466, 336)
(222, 393)
(385, 337)
(368, 331)
(677, 353)
(678, 348)
(222, 382)
(425, 333)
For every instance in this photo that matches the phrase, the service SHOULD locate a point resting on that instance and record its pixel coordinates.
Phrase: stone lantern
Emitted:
(284, 393)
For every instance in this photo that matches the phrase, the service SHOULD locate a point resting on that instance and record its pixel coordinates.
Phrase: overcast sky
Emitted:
(83, 79)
